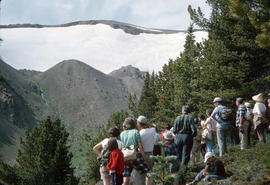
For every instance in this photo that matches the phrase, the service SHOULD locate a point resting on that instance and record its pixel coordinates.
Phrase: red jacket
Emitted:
(116, 161)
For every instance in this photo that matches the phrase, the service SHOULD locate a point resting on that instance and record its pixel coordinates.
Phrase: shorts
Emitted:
(104, 173)
(139, 164)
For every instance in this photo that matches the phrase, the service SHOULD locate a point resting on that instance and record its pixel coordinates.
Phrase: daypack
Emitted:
(129, 153)
(249, 115)
(104, 157)
(226, 114)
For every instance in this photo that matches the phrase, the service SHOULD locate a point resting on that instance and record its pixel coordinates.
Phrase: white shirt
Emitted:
(148, 139)
(259, 108)
(104, 143)
(211, 124)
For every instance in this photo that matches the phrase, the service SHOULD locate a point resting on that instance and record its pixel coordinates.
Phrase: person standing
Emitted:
(208, 133)
(147, 133)
(101, 149)
(197, 146)
(249, 118)
(259, 119)
(223, 127)
(267, 115)
(242, 123)
(185, 130)
(131, 137)
(116, 163)
(204, 132)
(213, 124)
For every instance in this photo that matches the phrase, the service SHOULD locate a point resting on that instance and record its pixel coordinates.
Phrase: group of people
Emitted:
(119, 159)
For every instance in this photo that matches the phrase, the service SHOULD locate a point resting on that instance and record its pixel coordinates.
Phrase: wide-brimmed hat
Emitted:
(168, 136)
(258, 97)
(208, 155)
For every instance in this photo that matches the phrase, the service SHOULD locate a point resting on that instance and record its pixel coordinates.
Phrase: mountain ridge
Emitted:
(81, 96)
(126, 27)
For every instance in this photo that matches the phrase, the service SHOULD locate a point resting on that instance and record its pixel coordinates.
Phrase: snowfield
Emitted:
(100, 46)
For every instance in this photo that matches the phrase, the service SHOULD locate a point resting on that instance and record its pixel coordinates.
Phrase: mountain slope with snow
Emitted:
(104, 45)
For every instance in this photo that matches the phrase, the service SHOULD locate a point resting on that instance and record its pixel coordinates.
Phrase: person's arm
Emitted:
(241, 119)
(112, 165)
(193, 128)
(97, 148)
(213, 115)
(150, 125)
(139, 143)
(215, 112)
(142, 150)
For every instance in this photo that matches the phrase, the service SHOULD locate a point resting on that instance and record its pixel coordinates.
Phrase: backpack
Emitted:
(249, 115)
(129, 153)
(226, 114)
(104, 157)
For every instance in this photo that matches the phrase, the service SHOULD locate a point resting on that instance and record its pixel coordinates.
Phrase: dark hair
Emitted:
(129, 123)
(168, 126)
(114, 132)
(186, 109)
(208, 112)
(239, 100)
(201, 116)
(112, 144)
(142, 124)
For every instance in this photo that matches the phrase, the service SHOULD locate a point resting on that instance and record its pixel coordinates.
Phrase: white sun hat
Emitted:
(207, 156)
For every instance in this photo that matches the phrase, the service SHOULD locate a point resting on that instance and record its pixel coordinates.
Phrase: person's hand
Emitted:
(241, 126)
(205, 173)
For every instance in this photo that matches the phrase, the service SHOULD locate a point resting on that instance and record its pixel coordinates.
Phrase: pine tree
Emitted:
(8, 174)
(165, 91)
(161, 170)
(133, 105)
(178, 81)
(187, 73)
(44, 157)
(258, 12)
(117, 119)
(231, 61)
(148, 100)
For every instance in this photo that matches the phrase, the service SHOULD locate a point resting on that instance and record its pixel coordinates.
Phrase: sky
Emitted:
(162, 14)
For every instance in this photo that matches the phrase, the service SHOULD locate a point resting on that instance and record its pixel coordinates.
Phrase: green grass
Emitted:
(246, 167)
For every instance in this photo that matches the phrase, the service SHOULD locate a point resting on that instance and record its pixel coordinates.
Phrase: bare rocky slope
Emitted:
(132, 77)
(80, 95)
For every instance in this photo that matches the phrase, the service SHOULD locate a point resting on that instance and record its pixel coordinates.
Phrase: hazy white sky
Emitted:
(166, 14)
(39, 50)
